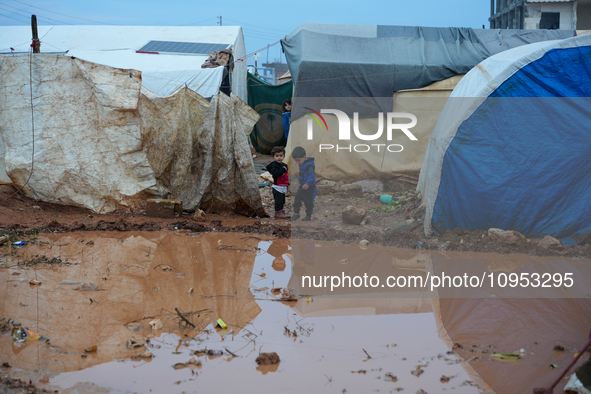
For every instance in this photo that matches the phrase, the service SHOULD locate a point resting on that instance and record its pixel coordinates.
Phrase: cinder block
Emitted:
(164, 208)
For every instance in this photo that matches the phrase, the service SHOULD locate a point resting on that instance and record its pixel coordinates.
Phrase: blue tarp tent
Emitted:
(512, 147)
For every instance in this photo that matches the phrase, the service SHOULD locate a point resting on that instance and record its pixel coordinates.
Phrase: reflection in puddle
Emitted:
(265, 369)
(325, 344)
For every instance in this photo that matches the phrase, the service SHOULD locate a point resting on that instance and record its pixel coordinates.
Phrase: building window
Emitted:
(550, 21)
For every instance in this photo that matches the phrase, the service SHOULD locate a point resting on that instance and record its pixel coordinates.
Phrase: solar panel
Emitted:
(193, 48)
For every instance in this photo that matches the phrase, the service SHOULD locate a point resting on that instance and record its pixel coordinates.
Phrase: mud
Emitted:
(21, 217)
(19, 214)
(18, 386)
(189, 280)
(456, 240)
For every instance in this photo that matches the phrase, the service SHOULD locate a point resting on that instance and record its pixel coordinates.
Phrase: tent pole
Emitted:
(36, 44)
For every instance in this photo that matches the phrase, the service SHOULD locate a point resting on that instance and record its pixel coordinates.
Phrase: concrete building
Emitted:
(540, 14)
(278, 70)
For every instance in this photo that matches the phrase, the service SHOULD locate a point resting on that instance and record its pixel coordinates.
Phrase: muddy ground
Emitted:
(88, 280)
(138, 311)
(17, 385)
(400, 227)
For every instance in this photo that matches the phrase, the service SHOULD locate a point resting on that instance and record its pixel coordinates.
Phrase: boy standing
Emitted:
(278, 169)
(307, 178)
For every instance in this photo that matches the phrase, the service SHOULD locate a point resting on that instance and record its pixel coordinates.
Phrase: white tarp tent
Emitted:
(117, 46)
(102, 141)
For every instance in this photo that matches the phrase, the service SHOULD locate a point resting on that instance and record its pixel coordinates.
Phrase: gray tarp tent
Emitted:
(376, 61)
(370, 69)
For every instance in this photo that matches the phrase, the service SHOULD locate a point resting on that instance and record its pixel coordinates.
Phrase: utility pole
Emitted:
(256, 63)
(36, 44)
(220, 19)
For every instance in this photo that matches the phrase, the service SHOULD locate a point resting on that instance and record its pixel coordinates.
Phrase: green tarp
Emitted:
(266, 99)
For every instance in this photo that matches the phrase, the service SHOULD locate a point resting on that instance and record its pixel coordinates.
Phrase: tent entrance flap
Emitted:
(266, 100)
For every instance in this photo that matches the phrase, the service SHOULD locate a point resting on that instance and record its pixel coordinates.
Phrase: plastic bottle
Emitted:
(31, 336)
(18, 333)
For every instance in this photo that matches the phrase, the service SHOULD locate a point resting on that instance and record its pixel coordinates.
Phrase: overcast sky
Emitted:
(263, 22)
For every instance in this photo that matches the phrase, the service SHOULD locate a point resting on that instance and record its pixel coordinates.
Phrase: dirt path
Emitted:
(21, 216)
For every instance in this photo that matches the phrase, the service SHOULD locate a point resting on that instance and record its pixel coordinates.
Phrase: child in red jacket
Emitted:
(278, 169)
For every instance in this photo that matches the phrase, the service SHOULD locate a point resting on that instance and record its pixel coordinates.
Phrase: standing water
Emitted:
(105, 290)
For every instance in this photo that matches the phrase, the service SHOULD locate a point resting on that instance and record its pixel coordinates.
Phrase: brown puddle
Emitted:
(325, 344)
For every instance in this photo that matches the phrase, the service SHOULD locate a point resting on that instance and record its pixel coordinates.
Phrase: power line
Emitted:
(14, 8)
(6, 16)
(248, 24)
(69, 16)
(263, 33)
(26, 14)
(252, 35)
(274, 34)
(196, 23)
(53, 21)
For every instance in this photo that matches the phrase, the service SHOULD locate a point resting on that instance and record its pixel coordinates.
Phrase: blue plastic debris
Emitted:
(19, 243)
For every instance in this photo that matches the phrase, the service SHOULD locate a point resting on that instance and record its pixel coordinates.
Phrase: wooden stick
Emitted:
(183, 317)
(231, 352)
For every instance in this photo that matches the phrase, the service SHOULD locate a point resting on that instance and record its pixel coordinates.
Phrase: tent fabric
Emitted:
(87, 144)
(376, 61)
(511, 148)
(199, 150)
(267, 100)
(354, 165)
(359, 68)
(104, 142)
(116, 46)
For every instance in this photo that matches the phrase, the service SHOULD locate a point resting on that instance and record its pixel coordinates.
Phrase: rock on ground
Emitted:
(510, 237)
(324, 189)
(352, 190)
(408, 227)
(199, 216)
(352, 215)
(370, 186)
(550, 242)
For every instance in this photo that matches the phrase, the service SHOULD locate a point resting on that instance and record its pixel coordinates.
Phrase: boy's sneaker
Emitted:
(281, 214)
(307, 218)
(295, 216)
